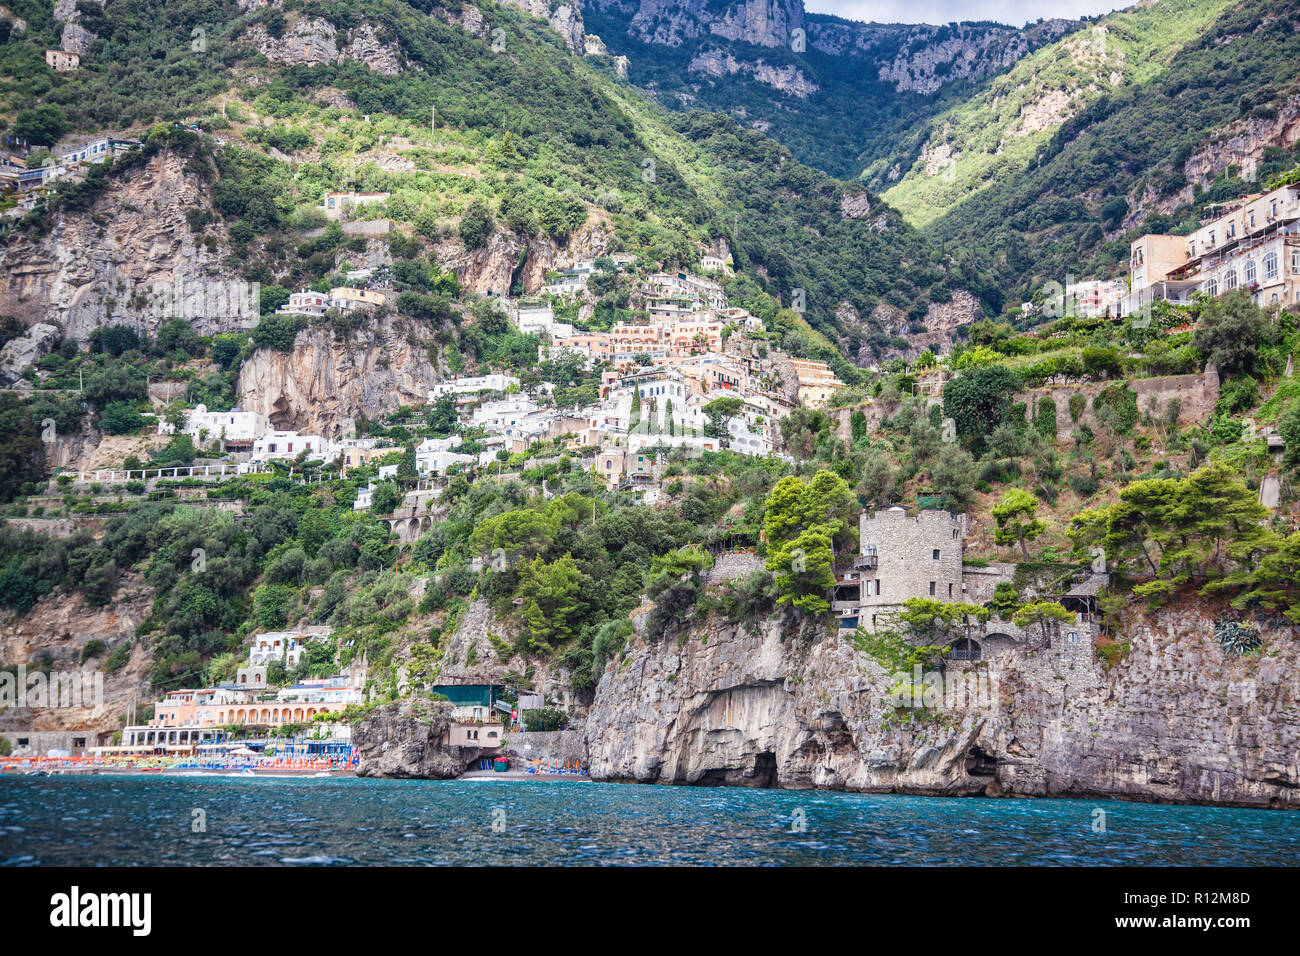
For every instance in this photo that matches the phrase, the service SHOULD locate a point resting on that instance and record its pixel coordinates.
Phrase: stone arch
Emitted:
(965, 649)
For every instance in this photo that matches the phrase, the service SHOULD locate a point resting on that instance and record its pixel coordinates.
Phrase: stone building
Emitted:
(905, 556)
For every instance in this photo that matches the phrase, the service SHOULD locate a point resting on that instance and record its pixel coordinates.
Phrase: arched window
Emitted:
(1230, 280)
(1212, 287)
(1250, 272)
(1270, 266)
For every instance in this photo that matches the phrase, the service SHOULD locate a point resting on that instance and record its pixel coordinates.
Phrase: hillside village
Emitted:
(500, 434)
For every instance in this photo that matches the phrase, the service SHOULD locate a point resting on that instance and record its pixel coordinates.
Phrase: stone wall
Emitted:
(731, 565)
(555, 746)
(1197, 394)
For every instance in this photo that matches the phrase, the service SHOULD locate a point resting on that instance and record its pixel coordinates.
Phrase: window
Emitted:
(1249, 272)
(1270, 266)
(1229, 283)
(1212, 288)
(931, 589)
(936, 554)
(1074, 637)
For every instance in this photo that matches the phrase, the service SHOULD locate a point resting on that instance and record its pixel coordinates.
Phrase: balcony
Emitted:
(866, 562)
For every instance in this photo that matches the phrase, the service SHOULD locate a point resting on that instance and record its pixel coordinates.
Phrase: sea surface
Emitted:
(130, 821)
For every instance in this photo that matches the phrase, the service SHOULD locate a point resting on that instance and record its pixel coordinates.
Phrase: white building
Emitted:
(468, 385)
(286, 446)
(236, 429)
(435, 455)
(305, 302)
(284, 646)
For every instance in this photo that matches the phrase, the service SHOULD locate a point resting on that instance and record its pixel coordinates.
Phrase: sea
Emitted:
(137, 820)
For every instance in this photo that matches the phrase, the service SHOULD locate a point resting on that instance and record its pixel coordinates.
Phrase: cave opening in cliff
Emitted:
(764, 769)
(979, 763)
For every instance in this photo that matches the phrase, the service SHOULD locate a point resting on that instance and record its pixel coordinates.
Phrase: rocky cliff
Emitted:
(410, 740)
(1177, 720)
(54, 635)
(321, 385)
(130, 258)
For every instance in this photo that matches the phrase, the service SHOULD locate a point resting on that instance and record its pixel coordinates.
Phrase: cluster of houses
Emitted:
(29, 181)
(342, 298)
(185, 718)
(1251, 243)
(657, 383)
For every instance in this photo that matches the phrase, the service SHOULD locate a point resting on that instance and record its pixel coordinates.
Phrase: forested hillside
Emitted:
(1113, 132)
(542, 139)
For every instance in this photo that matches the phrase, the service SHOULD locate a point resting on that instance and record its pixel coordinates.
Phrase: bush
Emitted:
(117, 659)
(120, 418)
(277, 332)
(545, 718)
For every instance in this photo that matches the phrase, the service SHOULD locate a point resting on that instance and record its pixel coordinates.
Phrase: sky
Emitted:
(1014, 12)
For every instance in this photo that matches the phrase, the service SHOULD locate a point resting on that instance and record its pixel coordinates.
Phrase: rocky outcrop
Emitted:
(931, 57)
(311, 41)
(366, 47)
(787, 79)
(55, 632)
(565, 19)
(321, 385)
(409, 739)
(1241, 144)
(131, 259)
(489, 268)
(1177, 720)
(26, 350)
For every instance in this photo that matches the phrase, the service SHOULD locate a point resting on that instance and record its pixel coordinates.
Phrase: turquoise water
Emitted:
(123, 821)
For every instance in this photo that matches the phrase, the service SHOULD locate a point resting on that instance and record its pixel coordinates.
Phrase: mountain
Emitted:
(844, 96)
(532, 119)
(1134, 125)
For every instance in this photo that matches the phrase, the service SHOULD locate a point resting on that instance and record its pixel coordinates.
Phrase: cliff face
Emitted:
(321, 385)
(57, 630)
(1176, 721)
(409, 740)
(131, 258)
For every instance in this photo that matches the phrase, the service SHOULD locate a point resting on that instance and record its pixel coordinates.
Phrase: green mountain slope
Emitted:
(842, 95)
(1087, 143)
(341, 97)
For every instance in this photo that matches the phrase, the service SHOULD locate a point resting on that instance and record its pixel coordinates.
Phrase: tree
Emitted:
(674, 584)
(952, 475)
(41, 125)
(1042, 613)
(384, 498)
(523, 534)
(804, 569)
(939, 621)
(1288, 426)
(1230, 332)
(120, 418)
(1178, 530)
(720, 412)
(550, 601)
(978, 400)
(878, 479)
(1017, 521)
(476, 224)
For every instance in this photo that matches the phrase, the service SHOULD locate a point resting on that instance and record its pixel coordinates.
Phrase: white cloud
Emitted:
(1015, 12)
